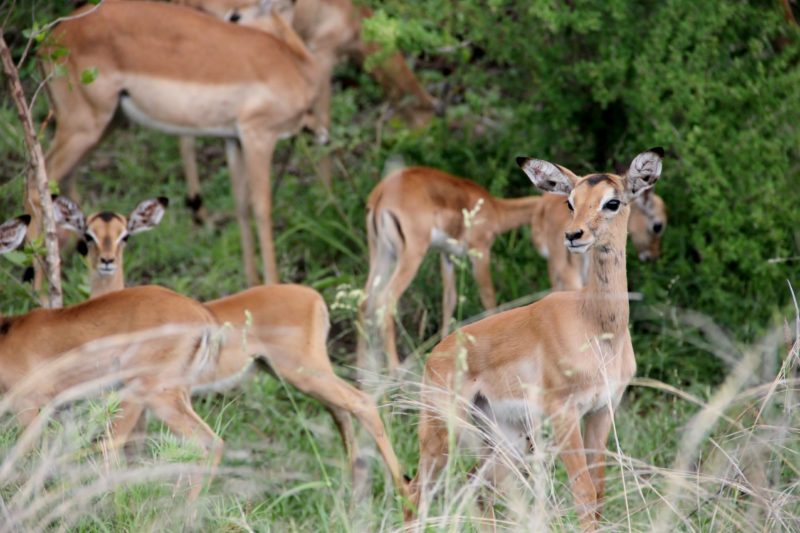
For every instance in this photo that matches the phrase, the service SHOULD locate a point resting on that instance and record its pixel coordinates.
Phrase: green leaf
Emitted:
(88, 75)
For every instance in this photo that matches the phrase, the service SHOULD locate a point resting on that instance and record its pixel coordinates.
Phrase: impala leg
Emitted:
(381, 265)
(597, 426)
(344, 423)
(405, 270)
(233, 153)
(194, 199)
(322, 114)
(258, 147)
(175, 410)
(567, 429)
(449, 295)
(126, 420)
(481, 268)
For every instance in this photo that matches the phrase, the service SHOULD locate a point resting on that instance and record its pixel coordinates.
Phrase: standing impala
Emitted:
(331, 29)
(183, 72)
(568, 271)
(151, 340)
(567, 357)
(414, 209)
(288, 330)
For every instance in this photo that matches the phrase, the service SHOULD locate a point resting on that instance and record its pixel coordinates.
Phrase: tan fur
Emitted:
(567, 357)
(567, 271)
(286, 326)
(48, 351)
(427, 203)
(182, 71)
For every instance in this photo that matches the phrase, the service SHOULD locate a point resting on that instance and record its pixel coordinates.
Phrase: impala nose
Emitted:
(572, 235)
(657, 227)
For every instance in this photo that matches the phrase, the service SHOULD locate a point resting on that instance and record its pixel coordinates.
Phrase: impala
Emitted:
(414, 209)
(151, 340)
(567, 271)
(567, 357)
(287, 330)
(331, 29)
(103, 235)
(183, 72)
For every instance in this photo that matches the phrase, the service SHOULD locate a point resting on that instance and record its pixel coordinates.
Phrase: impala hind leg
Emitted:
(175, 410)
(407, 265)
(194, 198)
(258, 147)
(449, 294)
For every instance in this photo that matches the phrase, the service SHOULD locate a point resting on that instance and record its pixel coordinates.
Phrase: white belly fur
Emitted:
(186, 108)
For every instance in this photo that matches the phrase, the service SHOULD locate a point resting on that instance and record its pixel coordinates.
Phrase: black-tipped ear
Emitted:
(25, 219)
(407, 478)
(546, 176)
(163, 200)
(82, 247)
(658, 150)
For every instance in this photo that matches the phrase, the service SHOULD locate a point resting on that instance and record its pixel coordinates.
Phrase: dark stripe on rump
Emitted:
(399, 228)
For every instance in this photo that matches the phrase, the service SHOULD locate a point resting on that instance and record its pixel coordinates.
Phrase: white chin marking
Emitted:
(579, 249)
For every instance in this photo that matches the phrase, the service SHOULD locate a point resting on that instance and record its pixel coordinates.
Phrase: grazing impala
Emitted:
(331, 29)
(183, 72)
(288, 330)
(568, 271)
(170, 343)
(567, 357)
(414, 209)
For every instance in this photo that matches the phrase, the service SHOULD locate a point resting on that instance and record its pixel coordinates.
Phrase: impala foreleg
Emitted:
(567, 430)
(597, 426)
(482, 269)
(233, 153)
(258, 148)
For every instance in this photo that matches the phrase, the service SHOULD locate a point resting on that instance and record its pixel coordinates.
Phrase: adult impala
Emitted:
(410, 211)
(151, 340)
(568, 271)
(180, 71)
(288, 328)
(567, 357)
(331, 29)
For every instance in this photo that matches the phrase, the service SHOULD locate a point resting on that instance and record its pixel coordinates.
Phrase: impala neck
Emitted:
(514, 212)
(101, 285)
(605, 296)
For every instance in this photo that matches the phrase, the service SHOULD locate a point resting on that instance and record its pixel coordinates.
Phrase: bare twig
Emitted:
(38, 202)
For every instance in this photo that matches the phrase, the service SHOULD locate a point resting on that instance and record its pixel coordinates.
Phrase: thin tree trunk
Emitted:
(37, 195)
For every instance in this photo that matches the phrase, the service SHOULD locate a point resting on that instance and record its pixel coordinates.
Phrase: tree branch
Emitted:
(38, 201)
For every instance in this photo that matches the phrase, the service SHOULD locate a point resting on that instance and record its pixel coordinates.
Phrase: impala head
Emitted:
(647, 223)
(103, 235)
(12, 233)
(598, 202)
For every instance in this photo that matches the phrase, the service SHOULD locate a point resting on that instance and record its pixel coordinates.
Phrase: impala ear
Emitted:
(147, 215)
(68, 215)
(547, 176)
(644, 172)
(12, 233)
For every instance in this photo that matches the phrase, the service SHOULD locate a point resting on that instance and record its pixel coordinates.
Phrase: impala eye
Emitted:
(88, 237)
(569, 205)
(125, 238)
(612, 205)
